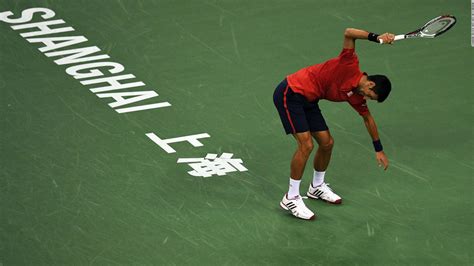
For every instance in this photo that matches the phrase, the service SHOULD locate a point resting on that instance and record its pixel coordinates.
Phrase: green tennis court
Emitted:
(82, 183)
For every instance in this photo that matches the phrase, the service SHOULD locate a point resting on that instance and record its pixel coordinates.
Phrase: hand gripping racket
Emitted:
(431, 29)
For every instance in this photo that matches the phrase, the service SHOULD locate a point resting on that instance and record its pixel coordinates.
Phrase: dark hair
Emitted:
(382, 86)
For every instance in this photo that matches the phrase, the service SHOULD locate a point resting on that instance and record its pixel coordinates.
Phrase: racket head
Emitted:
(434, 27)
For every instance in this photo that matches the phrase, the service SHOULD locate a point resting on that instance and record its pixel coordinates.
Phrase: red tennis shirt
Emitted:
(332, 80)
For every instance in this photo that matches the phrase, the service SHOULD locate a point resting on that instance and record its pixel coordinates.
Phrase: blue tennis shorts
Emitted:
(296, 113)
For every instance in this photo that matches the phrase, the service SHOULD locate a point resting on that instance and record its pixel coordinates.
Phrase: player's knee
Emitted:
(327, 145)
(306, 146)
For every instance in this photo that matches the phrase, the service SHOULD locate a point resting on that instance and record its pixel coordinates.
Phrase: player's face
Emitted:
(367, 91)
(369, 94)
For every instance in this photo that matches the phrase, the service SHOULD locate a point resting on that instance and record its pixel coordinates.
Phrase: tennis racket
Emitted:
(431, 29)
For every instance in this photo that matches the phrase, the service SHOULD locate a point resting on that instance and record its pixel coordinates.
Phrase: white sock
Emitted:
(294, 189)
(318, 178)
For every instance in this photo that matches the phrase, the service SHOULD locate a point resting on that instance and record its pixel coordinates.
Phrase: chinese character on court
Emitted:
(213, 165)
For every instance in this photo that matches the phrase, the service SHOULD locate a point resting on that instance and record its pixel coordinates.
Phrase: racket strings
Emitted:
(437, 26)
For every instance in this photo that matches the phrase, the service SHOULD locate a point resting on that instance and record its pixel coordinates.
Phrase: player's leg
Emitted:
(323, 154)
(320, 132)
(318, 189)
(292, 115)
(300, 157)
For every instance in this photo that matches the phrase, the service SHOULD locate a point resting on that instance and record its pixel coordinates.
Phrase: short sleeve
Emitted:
(348, 55)
(360, 107)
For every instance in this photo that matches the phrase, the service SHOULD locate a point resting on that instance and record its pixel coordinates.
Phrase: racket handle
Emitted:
(397, 38)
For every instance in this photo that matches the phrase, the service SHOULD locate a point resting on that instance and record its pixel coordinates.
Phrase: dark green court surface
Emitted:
(82, 184)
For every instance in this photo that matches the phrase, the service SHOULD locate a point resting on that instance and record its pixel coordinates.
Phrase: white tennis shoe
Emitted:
(297, 208)
(323, 192)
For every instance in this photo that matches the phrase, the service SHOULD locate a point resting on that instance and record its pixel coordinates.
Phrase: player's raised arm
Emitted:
(382, 159)
(350, 35)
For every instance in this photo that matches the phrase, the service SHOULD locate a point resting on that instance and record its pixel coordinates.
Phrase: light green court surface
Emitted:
(82, 184)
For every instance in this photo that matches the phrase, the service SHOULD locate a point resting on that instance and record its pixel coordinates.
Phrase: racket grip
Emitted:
(397, 38)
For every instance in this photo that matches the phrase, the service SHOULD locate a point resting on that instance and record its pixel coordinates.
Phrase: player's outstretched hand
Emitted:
(387, 38)
(382, 159)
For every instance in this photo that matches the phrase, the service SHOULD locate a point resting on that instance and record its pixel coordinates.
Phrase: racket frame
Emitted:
(419, 32)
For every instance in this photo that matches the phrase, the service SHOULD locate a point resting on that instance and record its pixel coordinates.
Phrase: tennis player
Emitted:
(296, 99)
